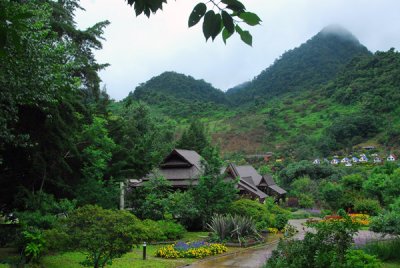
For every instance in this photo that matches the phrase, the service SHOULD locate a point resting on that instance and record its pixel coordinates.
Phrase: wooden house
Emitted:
(248, 180)
(182, 168)
(253, 185)
(391, 158)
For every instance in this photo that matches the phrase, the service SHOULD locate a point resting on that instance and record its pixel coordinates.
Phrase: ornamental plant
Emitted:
(362, 219)
(34, 245)
(233, 228)
(198, 250)
(329, 246)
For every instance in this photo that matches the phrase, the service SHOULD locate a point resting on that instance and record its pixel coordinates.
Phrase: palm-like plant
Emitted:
(233, 227)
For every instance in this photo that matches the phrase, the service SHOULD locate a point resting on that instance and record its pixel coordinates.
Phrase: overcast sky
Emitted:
(139, 48)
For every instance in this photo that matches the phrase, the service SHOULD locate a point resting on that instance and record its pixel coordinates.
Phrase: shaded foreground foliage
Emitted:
(330, 246)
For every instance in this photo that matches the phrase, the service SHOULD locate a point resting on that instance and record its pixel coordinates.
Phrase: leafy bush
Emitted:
(328, 247)
(360, 259)
(103, 234)
(264, 215)
(163, 230)
(306, 201)
(171, 229)
(42, 210)
(34, 245)
(56, 240)
(384, 250)
(281, 221)
(152, 231)
(233, 228)
(389, 221)
(369, 206)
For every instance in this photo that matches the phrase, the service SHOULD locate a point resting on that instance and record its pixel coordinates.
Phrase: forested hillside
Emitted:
(306, 67)
(359, 106)
(330, 94)
(179, 95)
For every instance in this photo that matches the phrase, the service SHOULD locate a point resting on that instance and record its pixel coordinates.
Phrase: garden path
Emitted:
(256, 257)
(250, 258)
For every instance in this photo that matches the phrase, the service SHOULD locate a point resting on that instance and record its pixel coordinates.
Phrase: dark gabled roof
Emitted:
(180, 168)
(249, 171)
(277, 189)
(252, 189)
(190, 156)
(246, 182)
(269, 180)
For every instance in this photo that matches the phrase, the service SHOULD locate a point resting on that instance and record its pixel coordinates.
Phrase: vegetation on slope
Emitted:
(306, 67)
(179, 95)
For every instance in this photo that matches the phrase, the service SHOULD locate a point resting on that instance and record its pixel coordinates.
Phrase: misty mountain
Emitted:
(306, 67)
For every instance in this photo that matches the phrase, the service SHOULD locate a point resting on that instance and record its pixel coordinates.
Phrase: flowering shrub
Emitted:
(362, 219)
(332, 218)
(273, 230)
(168, 252)
(196, 250)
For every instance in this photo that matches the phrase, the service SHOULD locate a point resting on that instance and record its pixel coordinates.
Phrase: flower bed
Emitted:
(196, 250)
(362, 219)
(273, 230)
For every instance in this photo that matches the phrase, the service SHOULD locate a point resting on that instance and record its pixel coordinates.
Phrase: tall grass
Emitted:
(387, 250)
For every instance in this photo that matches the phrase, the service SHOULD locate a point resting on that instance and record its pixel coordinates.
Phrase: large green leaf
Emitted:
(146, 6)
(228, 22)
(139, 7)
(234, 5)
(212, 24)
(226, 34)
(250, 18)
(198, 12)
(244, 35)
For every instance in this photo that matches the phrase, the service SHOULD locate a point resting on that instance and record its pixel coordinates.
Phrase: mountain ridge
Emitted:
(311, 64)
(336, 111)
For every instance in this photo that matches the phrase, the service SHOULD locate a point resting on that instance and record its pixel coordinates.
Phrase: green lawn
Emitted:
(131, 259)
(194, 236)
(391, 264)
